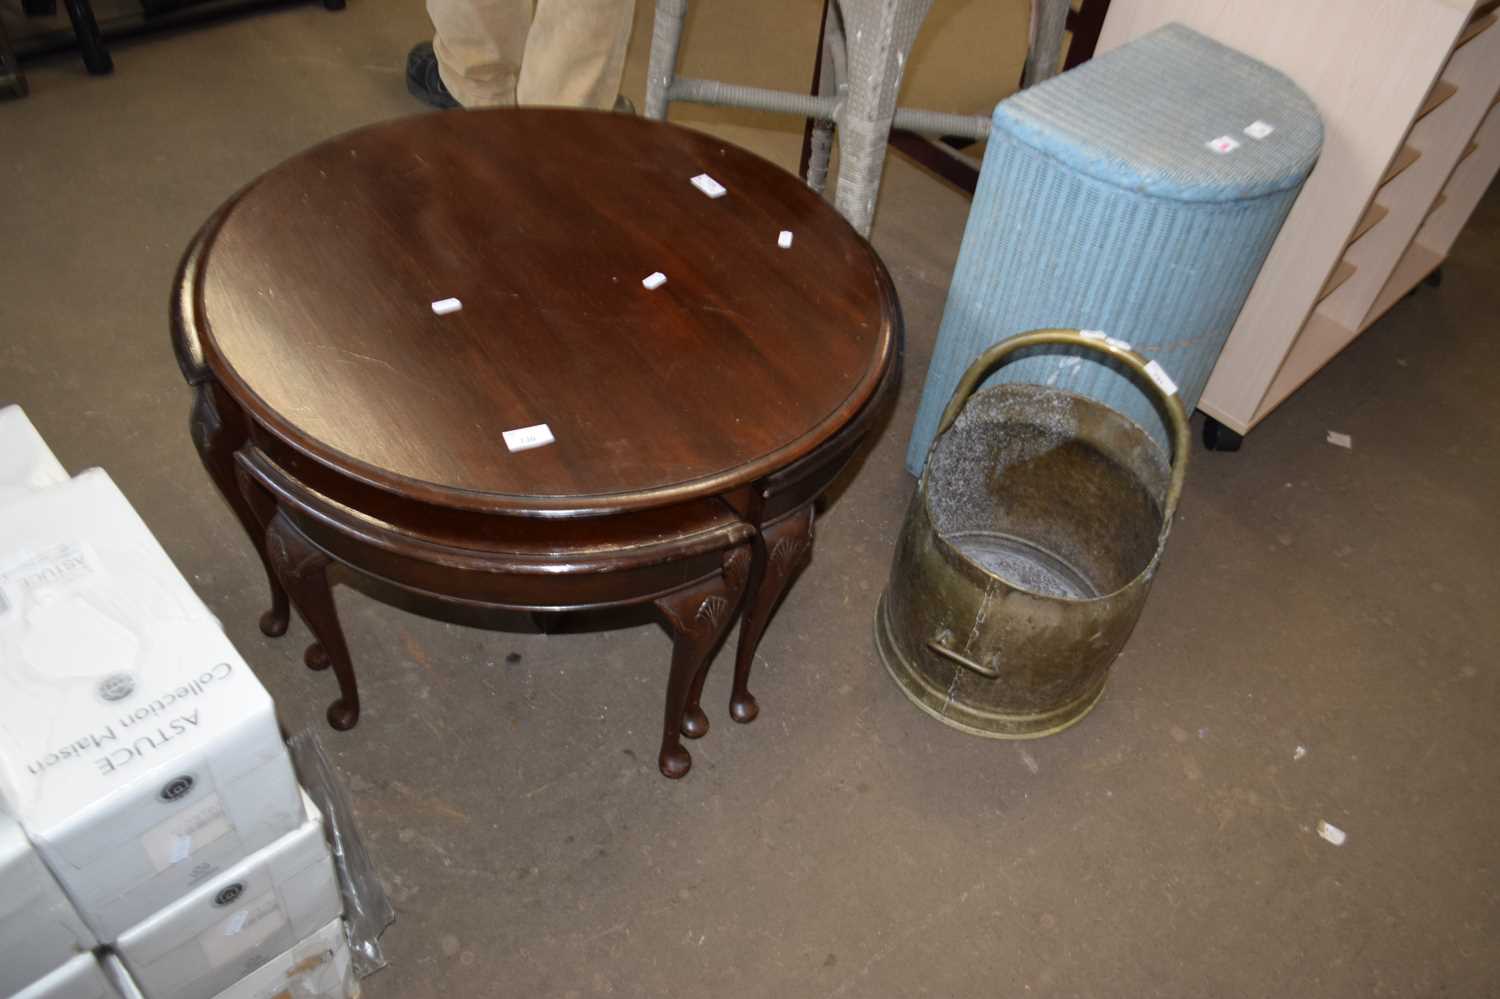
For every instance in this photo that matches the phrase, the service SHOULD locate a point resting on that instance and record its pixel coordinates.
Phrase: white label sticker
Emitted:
(1117, 343)
(197, 826)
(528, 437)
(654, 280)
(1161, 378)
(784, 240)
(1332, 833)
(443, 306)
(1258, 129)
(247, 928)
(1340, 440)
(709, 186)
(1223, 144)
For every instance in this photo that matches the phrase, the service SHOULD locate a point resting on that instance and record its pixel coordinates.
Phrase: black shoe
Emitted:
(423, 80)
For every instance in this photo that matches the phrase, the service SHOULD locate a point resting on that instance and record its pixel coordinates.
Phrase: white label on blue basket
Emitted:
(1258, 129)
(1117, 343)
(526, 438)
(1161, 378)
(1223, 144)
(1093, 334)
(709, 186)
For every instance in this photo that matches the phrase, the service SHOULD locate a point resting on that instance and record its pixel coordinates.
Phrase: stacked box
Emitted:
(144, 759)
(316, 968)
(39, 931)
(137, 749)
(80, 978)
(26, 463)
(119, 977)
(235, 923)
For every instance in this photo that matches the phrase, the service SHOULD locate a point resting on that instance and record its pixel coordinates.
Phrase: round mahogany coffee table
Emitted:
(692, 425)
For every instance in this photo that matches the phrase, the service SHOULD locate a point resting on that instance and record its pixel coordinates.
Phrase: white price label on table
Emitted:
(709, 186)
(526, 438)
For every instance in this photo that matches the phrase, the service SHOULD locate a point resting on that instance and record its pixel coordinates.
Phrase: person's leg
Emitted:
(575, 53)
(479, 46)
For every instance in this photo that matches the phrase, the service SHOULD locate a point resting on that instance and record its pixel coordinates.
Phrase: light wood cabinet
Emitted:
(1408, 94)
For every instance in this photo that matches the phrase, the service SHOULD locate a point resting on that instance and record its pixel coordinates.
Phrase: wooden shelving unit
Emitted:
(1342, 272)
(1436, 98)
(1476, 27)
(1415, 264)
(1405, 157)
(1410, 89)
(1369, 220)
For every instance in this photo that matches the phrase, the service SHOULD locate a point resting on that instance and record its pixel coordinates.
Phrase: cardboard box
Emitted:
(26, 463)
(80, 978)
(137, 750)
(39, 931)
(316, 968)
(238, 921)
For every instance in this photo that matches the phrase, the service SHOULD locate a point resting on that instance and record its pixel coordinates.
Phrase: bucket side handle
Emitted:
(1148, 373)
(940, 646)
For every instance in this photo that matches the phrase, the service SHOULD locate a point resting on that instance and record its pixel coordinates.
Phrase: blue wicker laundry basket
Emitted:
(1138, 195)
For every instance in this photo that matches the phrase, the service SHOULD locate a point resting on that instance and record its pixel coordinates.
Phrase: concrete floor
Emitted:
(844, 844)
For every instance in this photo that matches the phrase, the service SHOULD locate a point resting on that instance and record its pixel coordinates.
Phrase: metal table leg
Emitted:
(12, 80)
(90, 43)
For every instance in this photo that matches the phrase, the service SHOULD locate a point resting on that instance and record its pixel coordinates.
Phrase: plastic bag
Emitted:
(367, 909)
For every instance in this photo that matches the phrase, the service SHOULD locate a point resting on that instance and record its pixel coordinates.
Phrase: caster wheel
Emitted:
(1217, 437)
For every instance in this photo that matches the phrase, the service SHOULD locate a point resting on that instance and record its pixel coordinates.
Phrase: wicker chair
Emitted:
(865, 46)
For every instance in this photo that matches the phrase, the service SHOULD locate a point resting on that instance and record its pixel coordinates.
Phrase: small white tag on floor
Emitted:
(654, 280)
(1332, 833)
(1340, 440)
(526, 438)
(709, 186)
(785, 239)
(443, 306)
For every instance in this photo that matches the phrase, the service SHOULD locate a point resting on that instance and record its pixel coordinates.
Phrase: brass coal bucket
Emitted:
(1029, 547)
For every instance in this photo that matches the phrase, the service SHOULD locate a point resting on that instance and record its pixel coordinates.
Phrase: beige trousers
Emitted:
(502, 52)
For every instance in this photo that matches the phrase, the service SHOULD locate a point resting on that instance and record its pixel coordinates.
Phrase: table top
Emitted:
(312, 299)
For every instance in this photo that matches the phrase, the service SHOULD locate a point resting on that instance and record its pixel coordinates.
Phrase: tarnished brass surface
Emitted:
(1073, 503)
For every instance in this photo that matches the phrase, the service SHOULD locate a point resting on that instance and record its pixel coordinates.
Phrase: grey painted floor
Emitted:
(843, 845)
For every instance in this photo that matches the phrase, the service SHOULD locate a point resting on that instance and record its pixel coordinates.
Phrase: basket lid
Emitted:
(1172, 114)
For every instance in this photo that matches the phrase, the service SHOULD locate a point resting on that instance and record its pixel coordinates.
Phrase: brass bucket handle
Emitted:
(941, 647)
(1176, 417)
